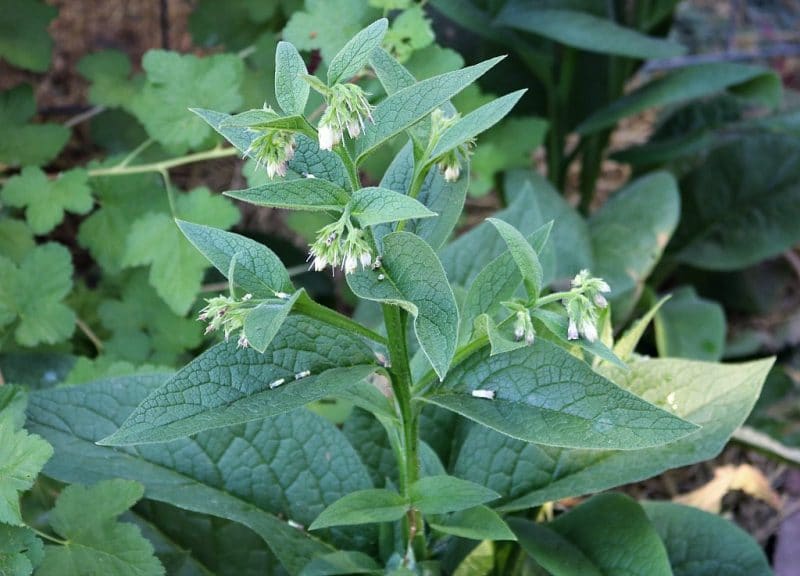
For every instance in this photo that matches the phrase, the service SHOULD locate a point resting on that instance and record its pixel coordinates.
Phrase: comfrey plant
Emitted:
(481, 396)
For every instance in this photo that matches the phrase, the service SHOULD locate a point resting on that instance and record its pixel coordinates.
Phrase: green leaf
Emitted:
(257, 271)
(675, 88)
(415, 281)
(315, 29)
(177, 81)
(586, 32)
(478, 523)
(444, 198)
(501, 338)
(407, 106)
(411, 31)
(688, 326)
(497, 282)
(176, 268)
(122, 200)
(203, 473)
(96, 543)
(22, 143)
(263, 322)
(335, 359)
(362, 507)
(45, 200)
(20, 551)
(374, 205)
(443, 494)
(16, 239)
(597, 529)
(291, 91)
(626, 345)
(476, 122)
(703, 544)
(109, 72)
(142, 326)
(523, 254)
(731, 218)
(13, 400)
(24, 40)
(34, 291)
(22, 456)
(715, 397)
(313, 194)
(544, 394)
(341, 562)
(354, 55)
(629, 234)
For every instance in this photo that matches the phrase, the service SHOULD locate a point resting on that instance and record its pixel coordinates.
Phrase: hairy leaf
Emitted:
(354, 55)
(300, 194)
(443, 494)
(478, 523)
(291, 91)
(688, 326)
(373, 205)
(362, 507)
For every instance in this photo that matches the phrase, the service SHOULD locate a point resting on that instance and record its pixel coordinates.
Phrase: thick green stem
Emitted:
(395, 320)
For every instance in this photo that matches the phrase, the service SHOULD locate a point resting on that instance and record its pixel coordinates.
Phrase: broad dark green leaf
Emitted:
(478, 523)
(629, 234)
(715, 397)
(291, 91)
(257, 269)
(733, 218)
(204, 473)
(443, 494)
(354, 55)
(675, 88)
(413, 279)
(703, 544)
(598, 529)
(444, 198)
(342, 562)
(307, 159)
(373, 205)
(544, 394)
(524, 255)
(313, 194)
(229, 385)
(587, 32)
(362, 507)
(409, 105)
(476, 122)
(688, 326)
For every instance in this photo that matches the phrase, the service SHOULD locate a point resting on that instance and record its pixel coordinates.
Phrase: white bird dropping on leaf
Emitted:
(485, 394)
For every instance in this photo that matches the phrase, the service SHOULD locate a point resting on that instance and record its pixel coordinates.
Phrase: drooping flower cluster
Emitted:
(273, 149)
(583, 303)
(523, 327)
(449, 162)
(347, 109)
(228, 314)
(340, 244)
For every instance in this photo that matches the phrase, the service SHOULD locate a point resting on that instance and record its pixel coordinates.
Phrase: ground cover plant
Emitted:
(193, 401)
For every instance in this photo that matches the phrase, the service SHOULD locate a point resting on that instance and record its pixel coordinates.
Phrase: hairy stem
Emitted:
(164, 165)
(324, 314)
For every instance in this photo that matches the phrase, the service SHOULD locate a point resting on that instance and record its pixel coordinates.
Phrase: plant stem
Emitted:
(400, 372)
(164, 165)
(89, 333)
(41, 534)
(307, 306)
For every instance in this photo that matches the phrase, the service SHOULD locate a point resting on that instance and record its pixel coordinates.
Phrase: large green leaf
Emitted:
(257, 269)
(327, 25)
(412, 277)
(306, 462)
(587, 540)
(688, 326)
(681, 86)
(409, 105)
(95, 542)
(629, 234)
(544, 394)
(291, 90)
(715, 397)
(24, 40)
(734, 218)
(354, 55)
(444, 198)
(587, 32)
(703, 544)
(228, 385)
